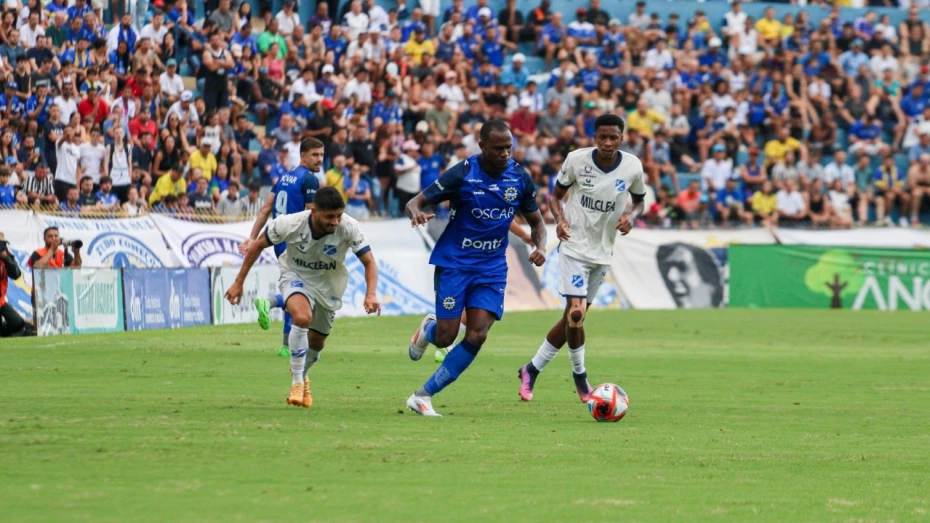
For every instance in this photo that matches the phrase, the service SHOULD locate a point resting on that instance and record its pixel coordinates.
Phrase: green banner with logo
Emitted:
(814, 277)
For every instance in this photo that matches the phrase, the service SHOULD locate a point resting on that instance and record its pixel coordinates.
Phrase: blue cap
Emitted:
(718, 148)
(858, 41)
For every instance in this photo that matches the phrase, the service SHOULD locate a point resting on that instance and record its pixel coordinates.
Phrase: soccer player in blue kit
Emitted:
(292, 194)
(484, 192)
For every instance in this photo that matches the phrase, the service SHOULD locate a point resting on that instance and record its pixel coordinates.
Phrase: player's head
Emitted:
(691, 275)
(608, 133)
(328, 206)
(311, 153)
(496, 144)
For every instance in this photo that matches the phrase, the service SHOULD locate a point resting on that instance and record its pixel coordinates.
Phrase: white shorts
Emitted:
(580, 279)
(322, 318)
(430, 7)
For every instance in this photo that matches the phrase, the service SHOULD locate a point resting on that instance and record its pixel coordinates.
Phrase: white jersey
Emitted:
(319, 262)
(596, 201)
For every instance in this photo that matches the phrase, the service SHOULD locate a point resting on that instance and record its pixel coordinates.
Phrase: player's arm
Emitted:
(260, 222)
(564, 181)
(530, 210)
(234, 293)
(521, 233)
(444, 189)
(638, 195)
(362, 250)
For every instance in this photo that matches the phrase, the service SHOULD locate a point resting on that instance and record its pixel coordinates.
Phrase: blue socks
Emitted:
(431, 332)
(278, 301)
(452, 367)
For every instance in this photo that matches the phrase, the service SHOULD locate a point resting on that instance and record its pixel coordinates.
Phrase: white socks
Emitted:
(546, 353)
(299, 344)
(577, 357)
(312, 357)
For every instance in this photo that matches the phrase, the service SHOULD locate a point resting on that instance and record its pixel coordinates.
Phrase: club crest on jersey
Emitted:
(620, 185)
(297, 284)
(510, 194)
(329, 250)
(448, 303)
(577, 281)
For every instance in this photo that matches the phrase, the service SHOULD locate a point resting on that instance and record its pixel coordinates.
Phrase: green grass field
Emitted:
(770, 415)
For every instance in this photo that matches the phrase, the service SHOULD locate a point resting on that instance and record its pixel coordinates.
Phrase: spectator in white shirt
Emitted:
(455, 98)
(734, 19)
(355, 20)
(66, 101)
(792, 209)
(172, 85)
(31, 30)
(358, 87)
(287, 18)
(155, 30)
(306, 87)
(93, 156)
(839, 170)
(717, 169)
(659, 57)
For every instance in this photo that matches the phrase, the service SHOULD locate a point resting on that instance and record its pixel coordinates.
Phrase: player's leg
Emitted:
(441, 328)
(320, 326)
(455, 363)
(441, 352)
(298, 305)
(483, 299)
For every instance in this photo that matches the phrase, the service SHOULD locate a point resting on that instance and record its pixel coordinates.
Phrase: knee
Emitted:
(445, 335)
(476, 337)
(576, 314)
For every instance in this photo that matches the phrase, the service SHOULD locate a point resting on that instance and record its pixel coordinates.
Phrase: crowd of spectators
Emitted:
(775, 121)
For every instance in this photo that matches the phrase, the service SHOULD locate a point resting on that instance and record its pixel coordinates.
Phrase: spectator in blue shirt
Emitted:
(492, 49)
(431, 165)
(550, 37)
(516, 73)
(853, 59)
(589, 75)
(79, 9)
(474, 12)
(914, 102)
(106, 200)
(38, 104)
(731, 204)
(410, 26)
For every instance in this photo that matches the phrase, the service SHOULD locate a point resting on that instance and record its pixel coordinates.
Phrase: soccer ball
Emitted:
(608, 402)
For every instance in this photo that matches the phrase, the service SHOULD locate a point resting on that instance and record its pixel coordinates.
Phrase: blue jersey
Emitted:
(482, 207)
(292, 193)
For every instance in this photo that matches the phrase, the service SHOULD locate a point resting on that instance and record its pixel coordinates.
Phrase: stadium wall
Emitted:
(164, 272)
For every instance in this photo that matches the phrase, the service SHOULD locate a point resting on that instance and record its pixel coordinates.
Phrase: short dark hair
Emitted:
(308, 144)
(105, 179)
(255, 187)
(52, 228)
(85, 178)
(492, 126)
(328, 199)
(609, 120)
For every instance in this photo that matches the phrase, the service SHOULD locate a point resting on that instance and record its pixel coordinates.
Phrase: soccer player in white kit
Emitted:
(600, 182)
(313, 278)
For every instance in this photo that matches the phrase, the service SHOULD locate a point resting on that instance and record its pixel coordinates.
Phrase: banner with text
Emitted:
(117, 243)
(78, 301)
(261, 281)
(166, 298)
(829, 277)
(207, 244)
(882, 237)
(665, 269)
(23, 232)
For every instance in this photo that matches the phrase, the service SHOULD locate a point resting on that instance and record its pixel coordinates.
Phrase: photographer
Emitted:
(53, 255)
(11, 323)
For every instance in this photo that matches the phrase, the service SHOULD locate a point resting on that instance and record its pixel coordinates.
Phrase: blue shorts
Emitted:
(457, 290)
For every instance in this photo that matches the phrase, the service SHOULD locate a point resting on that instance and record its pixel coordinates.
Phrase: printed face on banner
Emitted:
(691, 275)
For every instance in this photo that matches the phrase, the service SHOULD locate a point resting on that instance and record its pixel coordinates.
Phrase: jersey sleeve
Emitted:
(284, 227)
(447, 186)
(638, 185)
(356, 237)
(308, 187)
(528, 203)
(566, 176)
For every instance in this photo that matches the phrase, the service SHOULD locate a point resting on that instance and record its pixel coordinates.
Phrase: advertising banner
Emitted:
(207, 244)
(664, 269)
(23, 233)
(262, 280)
(829, 278)
(79, 301)
(166, 298)
(116, 243)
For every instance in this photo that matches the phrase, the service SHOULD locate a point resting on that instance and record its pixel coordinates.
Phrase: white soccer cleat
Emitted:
(422, 405)
(419, 342)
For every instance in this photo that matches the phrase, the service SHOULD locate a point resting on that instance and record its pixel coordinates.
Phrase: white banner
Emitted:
(117, 243)
(23, 232)
(207, 244)
(261, 281)
(887, 237)
(659, 269)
